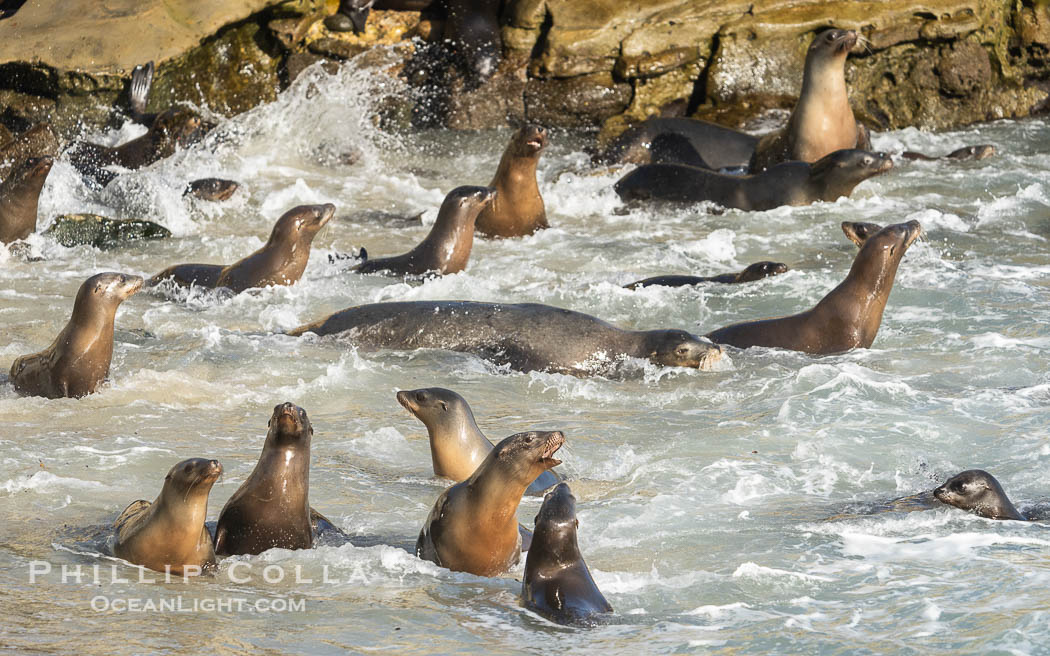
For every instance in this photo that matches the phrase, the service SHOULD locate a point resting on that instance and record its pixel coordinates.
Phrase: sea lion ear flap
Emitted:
(444, 406)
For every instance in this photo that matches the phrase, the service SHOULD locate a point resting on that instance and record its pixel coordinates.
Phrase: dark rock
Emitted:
(102, 232)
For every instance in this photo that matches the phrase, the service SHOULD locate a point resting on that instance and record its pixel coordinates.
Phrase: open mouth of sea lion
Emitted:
(553, 443)
(537, 139)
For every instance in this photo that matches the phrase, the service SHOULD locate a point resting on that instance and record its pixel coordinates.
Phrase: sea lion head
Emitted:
(839, 172)
(760, 270)
(980, 151)
(527, 455)
(177, 126)
(193, 477)
(289, 426)
(893, 239)
(32, 171)
(859, 231)
(677, 348)
(107, 289)
(556, 526)
(301, 224)
(214, 189)
(832, 43)
(529, 140)
(437, 407)
(466, 200)
(977, 491)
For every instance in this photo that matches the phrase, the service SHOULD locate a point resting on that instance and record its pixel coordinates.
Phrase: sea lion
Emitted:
(787, 183)
(213, 189)
(557, 583)
(446, 247)
(473, 526)
(849, 316)
(138, 93)
(981, 151)
(457, 445)
(717, 146)
(822, 120)
(977, 491)
(271, 509)
(859, 231)
(20, 196)
(38, 141)
(172, 129)
(753, 272)
(518, 208)
(281, 260)
(170, 533)
(77, 362)
(525, 336)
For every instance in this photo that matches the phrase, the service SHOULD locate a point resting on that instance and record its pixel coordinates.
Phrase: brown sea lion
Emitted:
(446, 248)
(172, 129)
(525, 336)
(977, 491)
(38, 141)
(271, 509)
(20, 196)
(822, 120)
(859, 231)
(715, 145)
(753, 272)
(848, 317)
(787, 183)
(281, 260)
(170, 533)
(473, 526)
(557, 583)
(213, 189)
(518, 208)
(77, 362)
(457, 445)
(982, 151)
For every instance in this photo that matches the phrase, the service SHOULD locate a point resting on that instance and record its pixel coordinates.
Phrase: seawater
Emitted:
(719, 512)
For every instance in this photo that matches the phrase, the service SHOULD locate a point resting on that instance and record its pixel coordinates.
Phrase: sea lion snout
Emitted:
(837, 41)
(323, 214)
(559, 506)
(288, 419)
(41, 165)
(535, 137)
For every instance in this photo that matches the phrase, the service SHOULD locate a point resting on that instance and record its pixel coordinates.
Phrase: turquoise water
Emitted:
(719, 511)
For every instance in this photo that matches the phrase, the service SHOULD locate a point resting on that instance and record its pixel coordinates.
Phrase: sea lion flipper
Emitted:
(526, 537)
(141, 82)
(134, 509)
(863, 137)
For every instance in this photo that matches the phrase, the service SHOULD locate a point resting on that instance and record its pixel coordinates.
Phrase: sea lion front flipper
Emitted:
(134, 509)
(544, 482)
(322, 526)
(526, 537)
(138, 93)
(863, 137)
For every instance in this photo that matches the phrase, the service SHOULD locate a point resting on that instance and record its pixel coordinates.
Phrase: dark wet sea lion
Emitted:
(170, 532)
(526, 336)
(457, 445)
(822, 120)
(271, 509)
(848, 317)
(281, 260)
(859, 231)
(77, 362)
(213, 189)
(753, 272)
(716, 145)
(557, 583)
(978, 492)
(518, 207)
(982, 151)
(38, 141)
(473, 526)
(788, 183)
(172, 129)
(446, 248)
(20, 196)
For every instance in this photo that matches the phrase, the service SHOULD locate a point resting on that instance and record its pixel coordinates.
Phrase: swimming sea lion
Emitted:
(849, 316)
(281, 260)
(525, 336)
(20, 196)
(172, 129)
(473, 526)
(822, 120)
(170, 532)
(446, 247)
(213, 189)
(753, 272)
(457, 445)
(518, 208)
(859, 231)
(77, 362)
(977, 491)
(271, 509)
(787, 183)
(557, 583)
(981, 151)
(717, 146)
